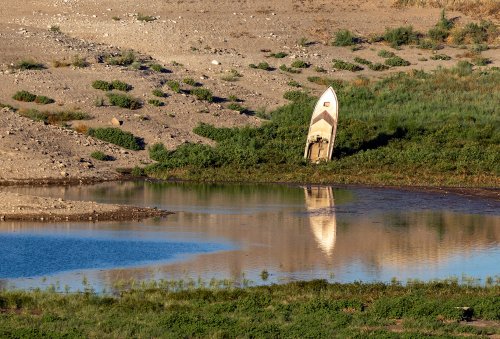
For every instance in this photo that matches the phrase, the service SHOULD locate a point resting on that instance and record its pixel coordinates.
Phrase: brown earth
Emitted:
(187, 37)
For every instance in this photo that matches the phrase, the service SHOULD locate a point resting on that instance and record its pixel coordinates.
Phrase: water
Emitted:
(237, 231)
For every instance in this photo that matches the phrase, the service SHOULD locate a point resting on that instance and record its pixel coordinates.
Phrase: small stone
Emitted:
(215, 62)
(116, 122)
(64, 174)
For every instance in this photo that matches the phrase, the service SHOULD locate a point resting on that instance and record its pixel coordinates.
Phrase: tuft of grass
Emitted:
(300, 64)
(378, 67)
(202, 94)
(344, 65)
(262, 65)
(108, 86)
(54, 118)
(101, 156)
(477, 33)
(231, 75)
(175, 86)
(293, 83)
(344, 37)
(190, 82)
(362, 61)
(158, 68)
(440, 57)
(79, 62)
(386, 54)
(121, 86)
(156, 102)
(27, 64)
(319, 69)
(24, 96)
(403, 35)
(285, 68)
(145, 18)
(55, 29)
(157, 92)
(480, 61)
(118, 137)
(124, 101)
(396, 62)
(43, 100)
(279, 55)
(236, 107)
(123, 59)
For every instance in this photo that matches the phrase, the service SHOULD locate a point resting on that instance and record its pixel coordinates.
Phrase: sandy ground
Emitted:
(197, 39)
(15, 206)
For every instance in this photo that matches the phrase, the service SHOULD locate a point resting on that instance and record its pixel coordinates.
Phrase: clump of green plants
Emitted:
(118, 137)
(55, 29)
(440, 57)
(236, 107)
(463, 68)
(295, 95)
(362, 61)
(145, 18)
(476, 33)
(231, 75)
(385, 53)
(233, 98)
(262, 65)
(428, 44)
(156, 102)
(101, 156)
(203, 94)
(24, 96)
(121, 86)
(109, 86)
(157, 92)
(481, 61)
(300, 64)
(190, 82)
(158, 68)
(378, 67)
(319, 69)
(44, 100)
(123, 59)
(79, 62)
(54, 118)
(396, 62)
(175, 86)
(441, 30)
(293, 83)
(124, 101)
(27, 64)
(344, 37)
(403, 35)
(344, 65)
(279, 55)
(292, 70)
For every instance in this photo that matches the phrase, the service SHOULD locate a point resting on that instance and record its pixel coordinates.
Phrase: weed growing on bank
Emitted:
(391, 126)
(118, 137)
(53, 118)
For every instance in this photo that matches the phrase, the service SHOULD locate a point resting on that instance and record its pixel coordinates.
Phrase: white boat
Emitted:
(323, 127)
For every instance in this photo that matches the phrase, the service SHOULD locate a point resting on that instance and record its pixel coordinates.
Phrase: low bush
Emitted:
(378, 67)
(344, 65)
(279, 55)
(79, 62)
(29, 65)
(400, 36)
(285, 68)
(295, 95)
(300, 64)
(158, 93)
(123, 59)
(344, 37)
(396, 61)
(124, 101)
(440, 57)
(441, 30)
(362, 61)
(102, 85)
(43, 100)
(175, 86)
(485, 31)
(480, 61)
(386, 54)
(293, 83)
(190, 82)
(202, 94)
(158, 68)
(98, 155)
(118, 137)
(121, 86)
(156, 102)
(24, 96)
(261, 65)
(54, 118)
(236, 107)
(428, 44)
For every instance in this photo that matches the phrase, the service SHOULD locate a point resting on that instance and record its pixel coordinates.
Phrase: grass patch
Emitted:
(118, 137)
(378, 67)
(157, 92)
(121, 86)
(347, 66)
(236, 107)
(24, 96)
(101, 156)
(362, 61)
(279, 55)
(231, 75)
(43, 100)
(25, 65)
(261, 65)
(175, 86)
(190, 82)
(400, 36)
(124, 101)
(344, 37)
(285, 68)
(53, 118)
(158, 68)
(203, 94)
(300, 64)
(109, 86)
(156, 102)
(293, 83)
(121, 59)
(385, 54)
(440, 57)
(396, 62)
(475, 33)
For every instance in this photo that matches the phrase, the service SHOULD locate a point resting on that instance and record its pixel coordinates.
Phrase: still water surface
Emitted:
(237, 231)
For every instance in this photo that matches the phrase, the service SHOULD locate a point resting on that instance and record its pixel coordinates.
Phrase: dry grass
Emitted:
(474, 8)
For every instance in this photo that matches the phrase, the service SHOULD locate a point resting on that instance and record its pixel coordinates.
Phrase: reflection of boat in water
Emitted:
(323, 127)
(319, 201)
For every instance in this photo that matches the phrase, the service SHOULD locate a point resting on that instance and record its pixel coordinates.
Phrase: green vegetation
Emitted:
(236, 107)
(121, 59)
(440, 57)
(293, 83)
(43, 100)
(145, 18)
(400, 36)
(344, 38)
(157, 92)
(109, 86)
(202, 94)
(175, 86)
(392, 131)
(124, 101)
(24, 65)
(156, 102)
(386, 54)
(24, 96)
(190, 82)
(53, 118)
(279, 55)
(441, 30)
(362, 61)
(261, 65)
(121, 86)
(118, 137)
(378, 67)
(300, 64)
(396, 61)
(285, 68)
(158, 68)
(344, 65)
(314, 309)
(428, 44)
(98, 155)
(480, 61)
(476, 33)
(79, 62)
(231, 75)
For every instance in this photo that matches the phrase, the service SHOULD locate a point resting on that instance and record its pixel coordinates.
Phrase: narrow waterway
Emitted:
(238, 231)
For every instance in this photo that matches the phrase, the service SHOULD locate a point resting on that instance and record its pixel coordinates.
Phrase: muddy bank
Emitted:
(15, 206)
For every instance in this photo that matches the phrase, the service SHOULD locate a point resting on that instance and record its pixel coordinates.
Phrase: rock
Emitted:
(64, 174)
(215, 62)
(116, 122)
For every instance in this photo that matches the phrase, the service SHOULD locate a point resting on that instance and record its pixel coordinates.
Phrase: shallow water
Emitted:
(237, 231)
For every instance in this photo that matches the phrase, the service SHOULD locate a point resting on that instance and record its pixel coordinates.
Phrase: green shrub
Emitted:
(400, 36)
(428, 44)
(118, 137)
(236, 107)
(378, 67)
(24, 96)
(476, 33)
(295, 95)
(396, 61)
(294, 83)
(102, 85)
(124, 101)
(463, 68)
(440, 57)
(98, 155)
(232, 75)
(279, 55)
(202, 94)
(285, 68)
(344, 65)
(233, 98)
(156, 102)
(344, 38)
(319, 69)
(121, 86)
(29, 65)
(174, 86)
(79, 62)
(362, 61)
(54, 118)
(158, 68)
(138, 172)
(158, 93)
(190, 81)
(124, 59)
(480, 61)
(300, 64)
(145, 18)
(261, 65)
(386, 54)
(43, 100)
